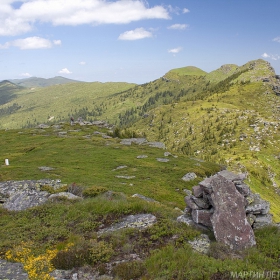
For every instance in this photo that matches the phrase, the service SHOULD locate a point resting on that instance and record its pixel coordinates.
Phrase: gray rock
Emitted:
(140, 221)
(189, 177)
(43, 126)
(142, 156)
(22, 200)
(258, 206)
(163, 159)
(201, 202)
(67, 195)
(125, 177)
(120, 167)
(144, 197)
(229, 221)
(230, 176)
(197, 191)
(203, 217)
(46, 168)
(201, 244)
(190, 202)
(159, 145)
(243, 189)
(129, 141)
(262, 221)
(186, 219)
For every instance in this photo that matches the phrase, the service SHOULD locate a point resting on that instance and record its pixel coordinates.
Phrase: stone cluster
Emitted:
(226, 205)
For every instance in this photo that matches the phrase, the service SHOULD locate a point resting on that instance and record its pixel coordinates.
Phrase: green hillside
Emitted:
(229, 116)
(189, 70)
(41, 82)
(62, 234)
(58, 103)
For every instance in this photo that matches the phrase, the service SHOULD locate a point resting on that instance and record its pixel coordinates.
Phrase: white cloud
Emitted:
(136, 34)
(178, 26)
(82, 63)
(185, 11)
(15, 21)
(265, 55)
(30, 43)
(271, 56)
(64, 71)
(277, 39)
(26, 75)
(176, 50)
(57, 42)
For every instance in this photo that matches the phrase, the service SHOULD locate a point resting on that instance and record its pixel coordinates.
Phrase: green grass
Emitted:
(71, 226)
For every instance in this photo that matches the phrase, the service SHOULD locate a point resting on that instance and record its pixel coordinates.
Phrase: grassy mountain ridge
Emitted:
(41, 82)
(58, 101)
(229, 116)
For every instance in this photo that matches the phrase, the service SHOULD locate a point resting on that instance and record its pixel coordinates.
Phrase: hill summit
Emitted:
(41, 82)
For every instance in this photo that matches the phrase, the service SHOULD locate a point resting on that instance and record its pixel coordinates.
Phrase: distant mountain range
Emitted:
(41, 82)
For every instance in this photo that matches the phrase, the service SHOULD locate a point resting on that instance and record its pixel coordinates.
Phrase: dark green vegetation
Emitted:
(88, 162)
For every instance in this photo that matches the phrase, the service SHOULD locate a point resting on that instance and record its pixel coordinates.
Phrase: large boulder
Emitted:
(229, 221)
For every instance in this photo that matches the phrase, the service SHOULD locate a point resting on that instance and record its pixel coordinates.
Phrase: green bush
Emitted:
(94, 191)
(129, 270)
(51, 190)
(84, 252)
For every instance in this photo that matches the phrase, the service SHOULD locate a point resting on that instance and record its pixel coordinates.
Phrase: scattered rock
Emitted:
(201, 244)
(189, 177)
(129, 141)
(142, 156)
(144, 197)
(46, 168)
(163, 159)
(67, 195)
(124, 177)
(140, 221)
(120, 167)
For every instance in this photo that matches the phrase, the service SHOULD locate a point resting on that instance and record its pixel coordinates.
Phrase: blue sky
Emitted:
(133, 40)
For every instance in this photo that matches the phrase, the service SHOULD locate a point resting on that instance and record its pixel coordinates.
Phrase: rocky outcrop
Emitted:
(224, 204)
(21, 195)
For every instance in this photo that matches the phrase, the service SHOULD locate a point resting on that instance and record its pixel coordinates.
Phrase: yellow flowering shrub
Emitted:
(37, 267)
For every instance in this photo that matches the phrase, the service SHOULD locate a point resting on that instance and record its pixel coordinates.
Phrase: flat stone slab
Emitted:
(144, 197)
(140, 221)
(12, 271)
(163, 159)
(189, 177)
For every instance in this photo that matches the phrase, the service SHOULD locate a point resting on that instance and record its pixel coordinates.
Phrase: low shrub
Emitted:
(93, 191)
(129, 270)
(84, 252)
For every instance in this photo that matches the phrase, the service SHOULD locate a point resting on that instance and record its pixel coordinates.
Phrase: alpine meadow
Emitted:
(129, 157)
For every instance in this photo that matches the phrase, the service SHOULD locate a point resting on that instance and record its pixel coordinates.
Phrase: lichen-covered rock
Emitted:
(140, 221)
(22, 200)
(258, 205)
(201, 244)
(229, 221)
(66, 195)
(189, 177)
